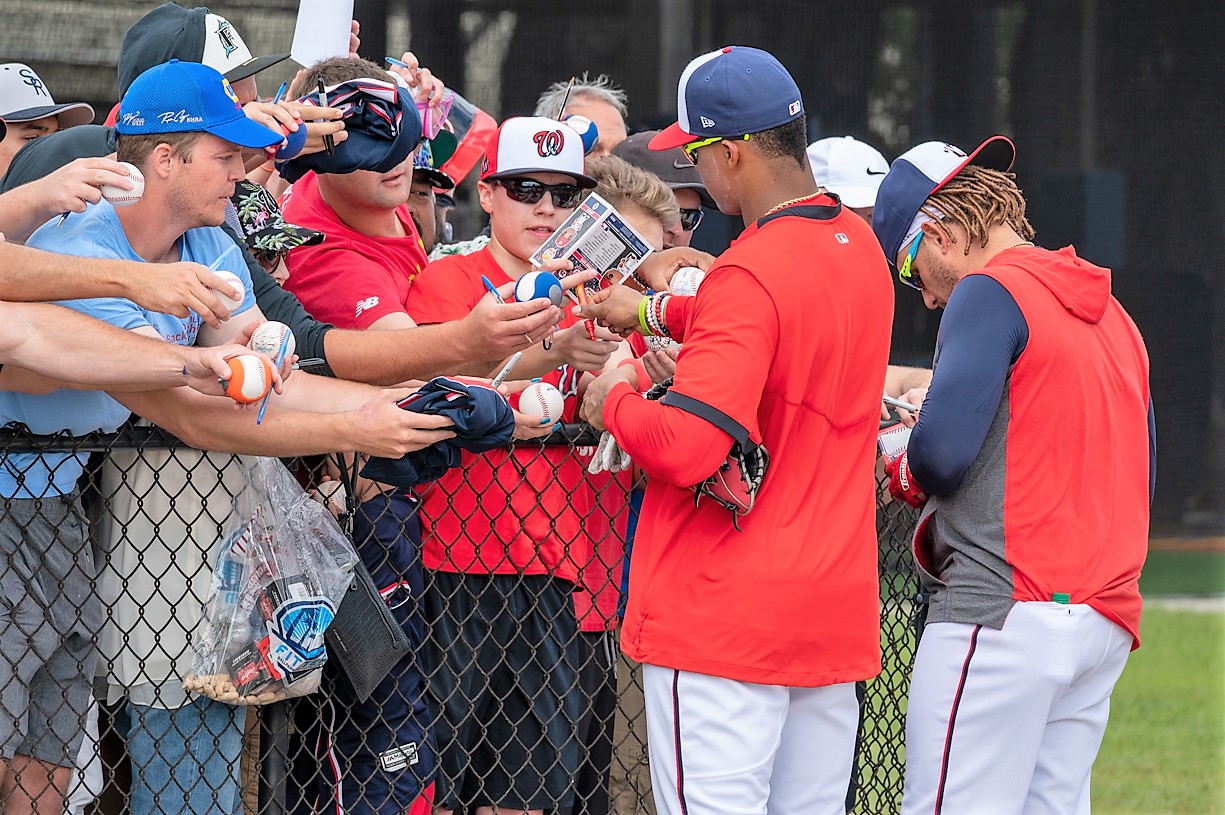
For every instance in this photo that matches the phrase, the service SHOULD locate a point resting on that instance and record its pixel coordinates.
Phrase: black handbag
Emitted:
(365, 639)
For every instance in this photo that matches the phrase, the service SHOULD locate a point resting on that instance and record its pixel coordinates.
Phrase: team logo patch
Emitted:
(30, 78)
(957, 151)
(549, 142)
(225, 86)
(706, 122)
(399, 757)
(226, 36)
(794, 107)
(841, 237)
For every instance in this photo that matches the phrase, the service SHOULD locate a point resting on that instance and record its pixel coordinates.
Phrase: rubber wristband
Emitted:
(644, 378)
(642, 317)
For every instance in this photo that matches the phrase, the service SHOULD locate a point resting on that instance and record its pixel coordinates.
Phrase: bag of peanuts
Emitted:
(280, 575)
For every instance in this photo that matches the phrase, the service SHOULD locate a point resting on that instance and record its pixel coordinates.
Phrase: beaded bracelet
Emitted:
(657, 328)
(642, 316)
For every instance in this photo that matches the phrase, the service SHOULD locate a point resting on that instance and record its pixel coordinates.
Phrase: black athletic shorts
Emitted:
(501, 667)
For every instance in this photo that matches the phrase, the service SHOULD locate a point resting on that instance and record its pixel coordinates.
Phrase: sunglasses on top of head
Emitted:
(530, 191)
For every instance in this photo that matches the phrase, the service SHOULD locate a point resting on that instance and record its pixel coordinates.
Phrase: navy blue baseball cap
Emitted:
(382, 124)
(731, 92)
(187, 97)
(918, 173)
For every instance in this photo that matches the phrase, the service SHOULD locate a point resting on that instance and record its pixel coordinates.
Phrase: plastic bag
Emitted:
(279, 577)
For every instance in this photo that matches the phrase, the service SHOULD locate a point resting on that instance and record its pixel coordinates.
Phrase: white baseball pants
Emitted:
(1010, 721)
(722, 747)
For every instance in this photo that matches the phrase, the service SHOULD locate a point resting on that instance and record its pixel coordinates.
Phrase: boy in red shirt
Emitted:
(501, 533)
(753, 635)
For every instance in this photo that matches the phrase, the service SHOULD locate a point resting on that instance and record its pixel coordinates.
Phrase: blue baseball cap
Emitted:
(187, 97)
(731, 92)
(918, 173)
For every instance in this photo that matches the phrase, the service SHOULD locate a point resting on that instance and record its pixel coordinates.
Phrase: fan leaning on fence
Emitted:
(176, 110)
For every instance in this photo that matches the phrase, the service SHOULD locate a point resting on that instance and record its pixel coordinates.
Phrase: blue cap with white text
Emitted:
(187, 97)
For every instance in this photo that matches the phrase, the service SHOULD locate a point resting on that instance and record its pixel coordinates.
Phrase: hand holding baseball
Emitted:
(86, 181)
(657, 268)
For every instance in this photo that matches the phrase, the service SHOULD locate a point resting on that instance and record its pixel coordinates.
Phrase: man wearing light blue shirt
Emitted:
(182, 125)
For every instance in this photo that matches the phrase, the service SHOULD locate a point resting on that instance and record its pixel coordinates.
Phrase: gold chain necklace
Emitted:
(1015, 245)
(786, 204)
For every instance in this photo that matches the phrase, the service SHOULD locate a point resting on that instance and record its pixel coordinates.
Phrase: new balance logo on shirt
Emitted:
(366, 305)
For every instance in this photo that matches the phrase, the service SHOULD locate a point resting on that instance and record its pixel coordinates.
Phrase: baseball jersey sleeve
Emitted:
(733, 335)
(981, 335)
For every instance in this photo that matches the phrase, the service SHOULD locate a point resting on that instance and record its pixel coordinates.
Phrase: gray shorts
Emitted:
(49, 618)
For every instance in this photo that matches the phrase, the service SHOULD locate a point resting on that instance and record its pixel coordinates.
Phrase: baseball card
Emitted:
(595, 237)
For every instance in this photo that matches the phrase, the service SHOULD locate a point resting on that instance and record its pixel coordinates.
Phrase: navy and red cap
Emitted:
(918, 173)
(731, 92)
(535, 144)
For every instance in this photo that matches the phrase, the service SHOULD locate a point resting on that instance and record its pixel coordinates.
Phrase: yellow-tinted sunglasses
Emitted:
(694, 146)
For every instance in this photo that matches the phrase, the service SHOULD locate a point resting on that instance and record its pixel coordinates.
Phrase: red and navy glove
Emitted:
(902, 485)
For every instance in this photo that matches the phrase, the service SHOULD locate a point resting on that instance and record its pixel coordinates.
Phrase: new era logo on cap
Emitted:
(731, 92)
(535, 144)
(187, 97)
(918, 173)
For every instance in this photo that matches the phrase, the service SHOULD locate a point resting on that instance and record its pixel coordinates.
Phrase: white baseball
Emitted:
(120, 197)
(542, 401)
(268, 337)
(232, 279)
(686, 281)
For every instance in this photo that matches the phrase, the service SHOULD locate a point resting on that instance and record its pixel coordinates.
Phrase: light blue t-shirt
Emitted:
(97, 233)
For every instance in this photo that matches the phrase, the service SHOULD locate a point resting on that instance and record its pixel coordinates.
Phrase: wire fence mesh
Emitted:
(496, 672)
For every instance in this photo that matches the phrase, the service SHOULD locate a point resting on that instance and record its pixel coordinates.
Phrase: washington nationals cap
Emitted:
(535, 144)
(918, 173)
(848, 168)
(672, 166)
(187, 97)
(192, 35)
(731, 92)
(24, 98)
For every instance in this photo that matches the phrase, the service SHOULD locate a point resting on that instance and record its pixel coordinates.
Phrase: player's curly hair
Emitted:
(977, 199)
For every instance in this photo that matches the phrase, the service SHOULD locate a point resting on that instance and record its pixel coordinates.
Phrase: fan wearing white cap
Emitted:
(29, 111)
(1035, 510)
(850, 169)
(489, 755)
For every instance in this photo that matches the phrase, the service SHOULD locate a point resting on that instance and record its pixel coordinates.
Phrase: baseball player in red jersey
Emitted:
(754, 629)
(1032, 541)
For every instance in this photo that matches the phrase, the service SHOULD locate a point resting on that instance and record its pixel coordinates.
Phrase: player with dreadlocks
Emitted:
(1036, 447)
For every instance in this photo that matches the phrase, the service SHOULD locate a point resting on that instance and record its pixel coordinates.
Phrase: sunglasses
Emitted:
(690, 218)
(529, 191)
(693, 146)
(270, 259)
(906, 272)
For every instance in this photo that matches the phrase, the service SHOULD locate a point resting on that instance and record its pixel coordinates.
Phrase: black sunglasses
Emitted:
(690, 218)
(530, 191)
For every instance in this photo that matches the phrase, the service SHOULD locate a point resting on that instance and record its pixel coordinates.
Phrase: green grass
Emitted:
(1163, 751)
(1176, 572)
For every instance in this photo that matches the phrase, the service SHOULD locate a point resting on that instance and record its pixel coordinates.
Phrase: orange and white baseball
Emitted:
(120, 197)
(250, 379)
(543, 401)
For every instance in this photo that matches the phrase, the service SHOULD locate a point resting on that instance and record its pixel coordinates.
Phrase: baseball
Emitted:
(268, 337)
(534, 285)
(120, 197)
(250, 379)
(232, 279)
(686, 281)
(543, 401)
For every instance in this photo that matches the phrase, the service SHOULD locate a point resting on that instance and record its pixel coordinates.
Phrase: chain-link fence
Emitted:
(489, 663)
